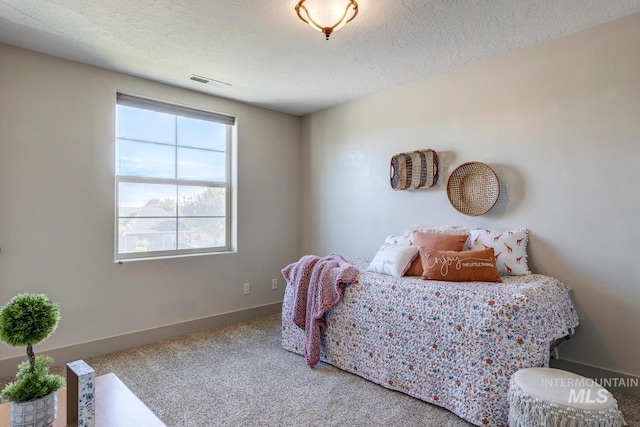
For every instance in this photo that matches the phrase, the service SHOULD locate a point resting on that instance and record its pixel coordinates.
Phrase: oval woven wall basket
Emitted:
(414, 170)
(473, 188)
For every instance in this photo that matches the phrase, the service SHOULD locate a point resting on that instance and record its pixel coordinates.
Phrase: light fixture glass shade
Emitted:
(327, 16)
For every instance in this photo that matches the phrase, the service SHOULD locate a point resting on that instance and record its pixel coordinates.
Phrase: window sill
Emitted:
(153, 258)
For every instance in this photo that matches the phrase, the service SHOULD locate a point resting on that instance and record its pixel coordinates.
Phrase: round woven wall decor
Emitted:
(473, 188)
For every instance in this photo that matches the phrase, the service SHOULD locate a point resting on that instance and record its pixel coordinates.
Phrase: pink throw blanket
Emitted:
(318, 285)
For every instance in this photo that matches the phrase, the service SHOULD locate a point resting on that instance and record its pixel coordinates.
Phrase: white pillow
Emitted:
(399, 240)
(393, 260)
(442, 229)
(509, 247)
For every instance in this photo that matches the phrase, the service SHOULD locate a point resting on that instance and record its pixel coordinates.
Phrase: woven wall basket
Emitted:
(473, 188)
(414, 170)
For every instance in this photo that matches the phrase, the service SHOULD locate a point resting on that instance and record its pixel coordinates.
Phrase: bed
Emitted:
(455, 345)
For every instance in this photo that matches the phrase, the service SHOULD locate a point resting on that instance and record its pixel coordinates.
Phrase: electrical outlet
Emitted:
(247, 289)
(274, 283)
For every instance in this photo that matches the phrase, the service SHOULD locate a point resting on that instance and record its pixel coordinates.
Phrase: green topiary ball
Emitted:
(28, 319)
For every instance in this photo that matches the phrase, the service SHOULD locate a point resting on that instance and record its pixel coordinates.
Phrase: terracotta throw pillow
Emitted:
(443, 242)
(464, 266)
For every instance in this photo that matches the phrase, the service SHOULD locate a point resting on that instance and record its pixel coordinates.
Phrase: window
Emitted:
(172, 180)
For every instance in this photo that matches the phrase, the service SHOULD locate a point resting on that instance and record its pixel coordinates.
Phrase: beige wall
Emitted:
(57, 135)
(558, 122)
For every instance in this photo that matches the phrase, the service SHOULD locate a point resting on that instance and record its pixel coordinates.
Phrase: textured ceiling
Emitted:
(271, 59)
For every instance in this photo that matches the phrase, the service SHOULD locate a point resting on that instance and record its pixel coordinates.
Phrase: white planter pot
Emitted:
(35, 413)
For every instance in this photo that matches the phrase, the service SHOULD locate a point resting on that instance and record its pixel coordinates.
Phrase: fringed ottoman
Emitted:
(555, 398)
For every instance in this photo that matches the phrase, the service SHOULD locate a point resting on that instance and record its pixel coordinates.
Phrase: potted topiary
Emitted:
(28, 319)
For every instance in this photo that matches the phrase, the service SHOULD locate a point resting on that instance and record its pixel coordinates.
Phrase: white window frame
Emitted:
(184, 111)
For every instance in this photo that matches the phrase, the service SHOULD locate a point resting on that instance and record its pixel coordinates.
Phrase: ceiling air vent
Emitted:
(208, 81)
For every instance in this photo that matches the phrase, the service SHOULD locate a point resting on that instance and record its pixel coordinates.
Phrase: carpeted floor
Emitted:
(240, 376)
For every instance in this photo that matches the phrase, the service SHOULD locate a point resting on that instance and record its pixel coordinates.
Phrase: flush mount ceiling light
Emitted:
(327, 16)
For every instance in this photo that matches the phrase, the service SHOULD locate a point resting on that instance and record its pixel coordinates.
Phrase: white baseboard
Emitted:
(63, 355)
(611, 380)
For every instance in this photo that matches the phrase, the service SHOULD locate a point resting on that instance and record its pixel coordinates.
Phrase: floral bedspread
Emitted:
(455, 345)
